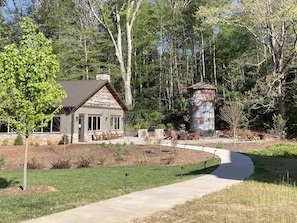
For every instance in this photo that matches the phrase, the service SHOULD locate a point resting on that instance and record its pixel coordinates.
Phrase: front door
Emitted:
(81, 134)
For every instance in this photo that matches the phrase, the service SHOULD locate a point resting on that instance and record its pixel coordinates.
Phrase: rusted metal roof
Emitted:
(201, 85)
(79, 91)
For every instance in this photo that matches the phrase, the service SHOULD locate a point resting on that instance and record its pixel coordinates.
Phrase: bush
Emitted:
(64, 140)
(84, 162)
(18, 141)
(34, 165)
(2, 161)
(61, 164)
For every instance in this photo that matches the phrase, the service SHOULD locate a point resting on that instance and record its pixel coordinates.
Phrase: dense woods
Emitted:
(155, 49)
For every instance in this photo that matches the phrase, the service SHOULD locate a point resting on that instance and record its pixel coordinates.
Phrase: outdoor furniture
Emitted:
(97, 137)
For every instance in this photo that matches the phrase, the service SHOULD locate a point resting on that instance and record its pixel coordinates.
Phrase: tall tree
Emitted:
(118, 17)
(30, 94)
(273, 24)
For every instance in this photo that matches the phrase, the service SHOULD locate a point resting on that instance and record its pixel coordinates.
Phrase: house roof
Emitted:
(79, 91)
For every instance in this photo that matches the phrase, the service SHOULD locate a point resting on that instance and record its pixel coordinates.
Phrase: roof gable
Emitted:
(79, 91)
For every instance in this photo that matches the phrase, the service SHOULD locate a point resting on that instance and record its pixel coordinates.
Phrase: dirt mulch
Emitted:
(44, 156)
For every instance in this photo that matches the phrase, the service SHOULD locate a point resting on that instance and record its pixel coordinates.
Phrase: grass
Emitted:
(77, 187)
(269, 196)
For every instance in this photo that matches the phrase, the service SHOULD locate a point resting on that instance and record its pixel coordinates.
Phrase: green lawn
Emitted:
(269, 196)
(77, 187)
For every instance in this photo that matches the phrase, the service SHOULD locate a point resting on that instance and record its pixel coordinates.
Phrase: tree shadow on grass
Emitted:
(4, 183)
(197, 172)
(270, 169)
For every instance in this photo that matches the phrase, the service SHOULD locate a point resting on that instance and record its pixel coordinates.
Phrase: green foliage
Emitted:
(144, 160)
(2, 161)
(182, 127)
(278, 127)
(169, 126)
(61, 164)
(121, 152)
(278, 150)
(28, 81)
(5, 142)
(18, 141)
(80, 187)
(144, 118)
(64, 140)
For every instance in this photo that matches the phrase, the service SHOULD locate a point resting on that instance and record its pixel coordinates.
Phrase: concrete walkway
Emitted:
(234, 169)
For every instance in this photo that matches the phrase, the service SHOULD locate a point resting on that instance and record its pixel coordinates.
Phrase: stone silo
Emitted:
(202, 115)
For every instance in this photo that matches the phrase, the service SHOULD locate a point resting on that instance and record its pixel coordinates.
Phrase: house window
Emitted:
(115, 122)
(94, 122)
(52, 126)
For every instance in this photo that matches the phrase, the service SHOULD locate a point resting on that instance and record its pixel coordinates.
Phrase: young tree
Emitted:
(30, 95)
(231, 113)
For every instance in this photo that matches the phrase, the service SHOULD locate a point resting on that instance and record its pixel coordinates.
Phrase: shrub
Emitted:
(2, 161)
(18, 141)
(64, 140)
(5, 142)
(144, 160)
(61, 164)
(102, 160)
(84, 162)
(34, 164)
(172, 156)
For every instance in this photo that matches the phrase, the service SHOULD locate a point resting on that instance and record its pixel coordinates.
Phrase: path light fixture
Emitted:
(181, 171)
(126, 178)
(214, 153)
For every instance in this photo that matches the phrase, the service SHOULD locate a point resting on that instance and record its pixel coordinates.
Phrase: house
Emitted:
(90, 108)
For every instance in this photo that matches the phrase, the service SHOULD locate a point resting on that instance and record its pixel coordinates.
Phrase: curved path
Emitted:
(234, 168)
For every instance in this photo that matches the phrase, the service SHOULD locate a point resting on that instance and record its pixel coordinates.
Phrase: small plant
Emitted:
(5, 142)
(220, 145)
(84, 162)
(18, 141)
(64, 140)
(2, 161)
(102, 160)
(61, 164)
(144, 160)
(49, 143)
(118, 154)
(182, 127)
(174, 142)
(169, 126)
(278, 127)
(172, 156)
(34, 165)
(36, 144)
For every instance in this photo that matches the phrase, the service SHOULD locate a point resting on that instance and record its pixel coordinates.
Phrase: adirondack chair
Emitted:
(96, 136)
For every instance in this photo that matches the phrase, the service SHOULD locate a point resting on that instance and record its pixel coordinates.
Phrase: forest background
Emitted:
(155, 49)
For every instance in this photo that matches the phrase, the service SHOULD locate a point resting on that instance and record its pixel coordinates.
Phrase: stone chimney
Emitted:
(103, 77)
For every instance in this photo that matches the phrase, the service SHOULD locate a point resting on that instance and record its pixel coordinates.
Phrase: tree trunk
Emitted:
(25, 164)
